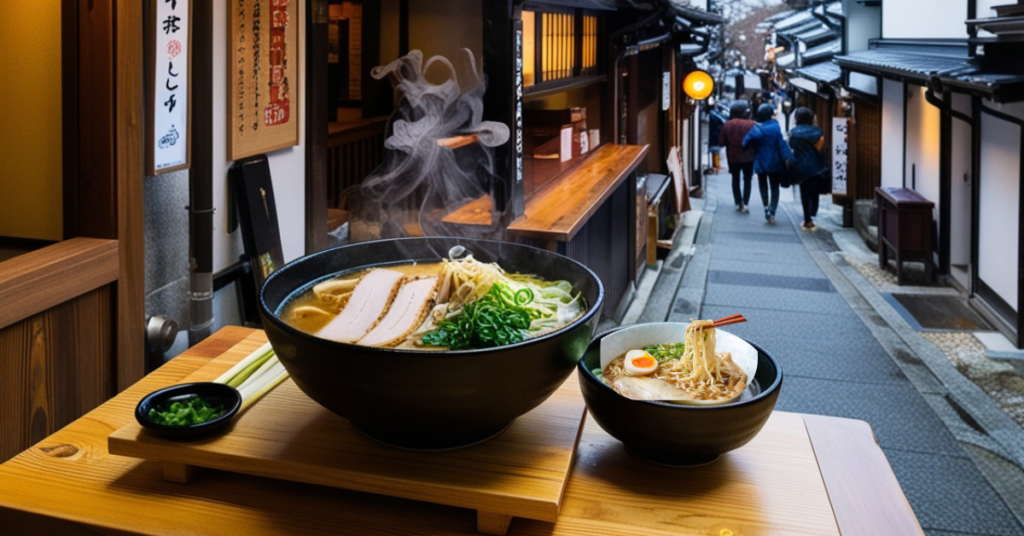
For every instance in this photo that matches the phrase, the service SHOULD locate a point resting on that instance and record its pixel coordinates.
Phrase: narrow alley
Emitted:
(833, 363)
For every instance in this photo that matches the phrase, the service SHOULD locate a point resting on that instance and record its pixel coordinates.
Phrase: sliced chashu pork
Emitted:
(368, 302)
(406, 313)
(642, 388)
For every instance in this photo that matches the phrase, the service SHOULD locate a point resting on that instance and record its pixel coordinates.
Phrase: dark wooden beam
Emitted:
(316, 124)
(500, 100)
(95, 210)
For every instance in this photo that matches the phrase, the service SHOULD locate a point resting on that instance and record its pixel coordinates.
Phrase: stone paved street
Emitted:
(833, 363)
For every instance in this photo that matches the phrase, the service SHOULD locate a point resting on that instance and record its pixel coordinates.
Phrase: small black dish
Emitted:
(212, 393)
(673, 434)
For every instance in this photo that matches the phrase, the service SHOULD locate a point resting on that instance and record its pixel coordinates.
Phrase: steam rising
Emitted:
(420, 182)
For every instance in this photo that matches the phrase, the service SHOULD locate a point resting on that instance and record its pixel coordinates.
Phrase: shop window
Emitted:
(563, 95)
(559, 46)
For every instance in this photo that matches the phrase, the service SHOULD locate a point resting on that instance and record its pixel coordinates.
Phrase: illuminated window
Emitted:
(558, 46)
(589, 45)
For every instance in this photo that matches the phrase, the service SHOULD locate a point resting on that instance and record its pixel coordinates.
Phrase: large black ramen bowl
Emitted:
(675, 434)
(428, 400)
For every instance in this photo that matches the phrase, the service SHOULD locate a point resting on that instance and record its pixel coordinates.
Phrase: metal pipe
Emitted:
(200, 180)
(945, 107)
(824, 17)
(794, 43)
(617, 76)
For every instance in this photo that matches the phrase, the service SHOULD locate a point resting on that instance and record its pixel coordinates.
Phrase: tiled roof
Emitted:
(999, 87)
(695, 15)
(922, 66)
(815, 54)
(825, 72)
(956, 72)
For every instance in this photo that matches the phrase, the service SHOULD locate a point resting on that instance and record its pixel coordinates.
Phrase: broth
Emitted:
(456, 304)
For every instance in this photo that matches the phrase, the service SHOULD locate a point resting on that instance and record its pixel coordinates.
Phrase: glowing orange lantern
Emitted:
(698, 85)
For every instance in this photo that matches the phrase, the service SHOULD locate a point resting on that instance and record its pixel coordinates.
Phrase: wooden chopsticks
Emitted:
(728, 320)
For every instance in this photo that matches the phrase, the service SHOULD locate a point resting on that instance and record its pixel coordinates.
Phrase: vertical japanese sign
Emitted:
(169, 68)
(518, 195)
(263, 92)
(840, 141)
(666, 90)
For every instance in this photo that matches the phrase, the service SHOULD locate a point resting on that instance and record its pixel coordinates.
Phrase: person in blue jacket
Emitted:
(809, 165)
(771, 157)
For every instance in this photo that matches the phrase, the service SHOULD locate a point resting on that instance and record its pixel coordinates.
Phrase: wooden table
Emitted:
(68, 484)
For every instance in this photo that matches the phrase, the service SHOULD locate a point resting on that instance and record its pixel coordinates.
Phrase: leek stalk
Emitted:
(255, 375)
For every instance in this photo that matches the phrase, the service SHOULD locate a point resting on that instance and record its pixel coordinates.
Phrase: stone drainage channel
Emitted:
(675, 288)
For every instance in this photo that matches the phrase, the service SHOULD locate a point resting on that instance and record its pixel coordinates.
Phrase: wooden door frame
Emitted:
(103, 155)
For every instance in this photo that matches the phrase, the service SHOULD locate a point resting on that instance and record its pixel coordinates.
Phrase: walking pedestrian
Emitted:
(741, 159)
(715, 122)
(771, 157)
(809, 166)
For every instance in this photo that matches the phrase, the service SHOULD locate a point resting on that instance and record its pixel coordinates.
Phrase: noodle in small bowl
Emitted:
(675, 432)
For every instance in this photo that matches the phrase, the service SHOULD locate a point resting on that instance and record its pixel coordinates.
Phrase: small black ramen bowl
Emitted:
(428, 400)
(213, 394)
(673, 434)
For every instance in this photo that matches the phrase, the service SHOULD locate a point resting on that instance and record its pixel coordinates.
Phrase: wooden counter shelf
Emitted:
(559, 210)
(802, 475)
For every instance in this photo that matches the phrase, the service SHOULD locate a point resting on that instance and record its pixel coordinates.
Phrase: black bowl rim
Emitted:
(295, 332)
(186, 388)
(589, 375)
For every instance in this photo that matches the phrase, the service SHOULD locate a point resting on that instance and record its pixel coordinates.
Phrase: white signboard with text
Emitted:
(169, 140)
(666, 90)
(840, 143)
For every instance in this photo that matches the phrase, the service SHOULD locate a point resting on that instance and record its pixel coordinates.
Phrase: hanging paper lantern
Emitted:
(698, 85)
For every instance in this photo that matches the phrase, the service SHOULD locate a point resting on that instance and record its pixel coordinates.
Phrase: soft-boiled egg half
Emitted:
(640, 363)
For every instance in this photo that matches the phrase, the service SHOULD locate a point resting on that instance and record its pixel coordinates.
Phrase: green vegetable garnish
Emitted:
(185, 412)
(665, 352)
(498, 318)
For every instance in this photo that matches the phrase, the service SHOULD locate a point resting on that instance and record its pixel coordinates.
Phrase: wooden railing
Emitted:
(56, 338)
(353, 151)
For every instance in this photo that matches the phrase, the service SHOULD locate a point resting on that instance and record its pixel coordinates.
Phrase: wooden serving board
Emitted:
(521, 473)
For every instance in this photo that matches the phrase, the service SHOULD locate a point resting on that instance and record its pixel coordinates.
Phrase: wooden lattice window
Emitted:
(589, 45)
(558, 45)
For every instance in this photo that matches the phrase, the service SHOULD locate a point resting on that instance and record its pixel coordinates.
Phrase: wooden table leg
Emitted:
(179, 473)
(491, 523)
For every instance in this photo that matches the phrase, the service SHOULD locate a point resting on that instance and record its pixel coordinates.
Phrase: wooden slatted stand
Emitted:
(521, 473)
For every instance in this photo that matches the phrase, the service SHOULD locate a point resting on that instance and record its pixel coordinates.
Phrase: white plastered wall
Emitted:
(892, 133)
(287, 166)
(902, 19)
(960, 189)
(921, 167)
(999, 202)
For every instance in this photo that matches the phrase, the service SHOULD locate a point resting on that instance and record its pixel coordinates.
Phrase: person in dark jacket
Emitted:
(715, 122)
(771, 157)
(809, 166)
(741, 159)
